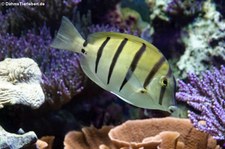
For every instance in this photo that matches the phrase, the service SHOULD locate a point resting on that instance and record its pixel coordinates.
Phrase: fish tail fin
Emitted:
(68, 37)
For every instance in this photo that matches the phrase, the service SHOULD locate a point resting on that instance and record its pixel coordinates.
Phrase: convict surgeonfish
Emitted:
(126, 65)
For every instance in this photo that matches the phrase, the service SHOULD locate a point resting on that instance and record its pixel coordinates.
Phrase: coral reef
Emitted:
(149, 132)
(49, 12)
(188, 9)
(170, 11)
(27, 32)
(158, 9)
(20, 83)
(194, 29)
(206, 95)
(15, 141)
(189, 32)
(153, 133)
(89, 137)
(164, 32)
(204, 42)
(62, 75)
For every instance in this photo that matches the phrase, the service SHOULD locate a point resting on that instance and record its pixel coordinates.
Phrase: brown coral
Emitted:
(169, 132)
(89, 138)
(155, 133)
(45, 142)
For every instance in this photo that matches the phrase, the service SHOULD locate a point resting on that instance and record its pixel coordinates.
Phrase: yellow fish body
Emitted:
(123, 64)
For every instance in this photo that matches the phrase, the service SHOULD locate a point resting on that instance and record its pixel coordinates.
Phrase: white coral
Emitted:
(199, 52)
(20, 83)
(15, 141)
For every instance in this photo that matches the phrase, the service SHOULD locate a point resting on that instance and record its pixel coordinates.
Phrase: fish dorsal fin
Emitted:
(92, 38)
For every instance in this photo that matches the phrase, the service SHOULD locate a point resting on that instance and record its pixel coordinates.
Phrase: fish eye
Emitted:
(164, 81)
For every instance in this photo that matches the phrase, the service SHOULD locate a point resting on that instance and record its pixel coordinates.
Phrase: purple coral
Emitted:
(62, 74)
(47, 11)
(206, 96)
(4, 24)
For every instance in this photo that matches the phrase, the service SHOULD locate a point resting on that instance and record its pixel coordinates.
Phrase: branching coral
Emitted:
(206, 95)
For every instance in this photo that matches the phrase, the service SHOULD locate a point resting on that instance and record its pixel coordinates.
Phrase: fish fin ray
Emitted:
(68, 37)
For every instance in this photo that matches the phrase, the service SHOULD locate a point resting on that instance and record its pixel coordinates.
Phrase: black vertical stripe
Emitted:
(115, 58)
(153, 71)
(161, 94)
(133, 65)
(99, 53)
(163, 88)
